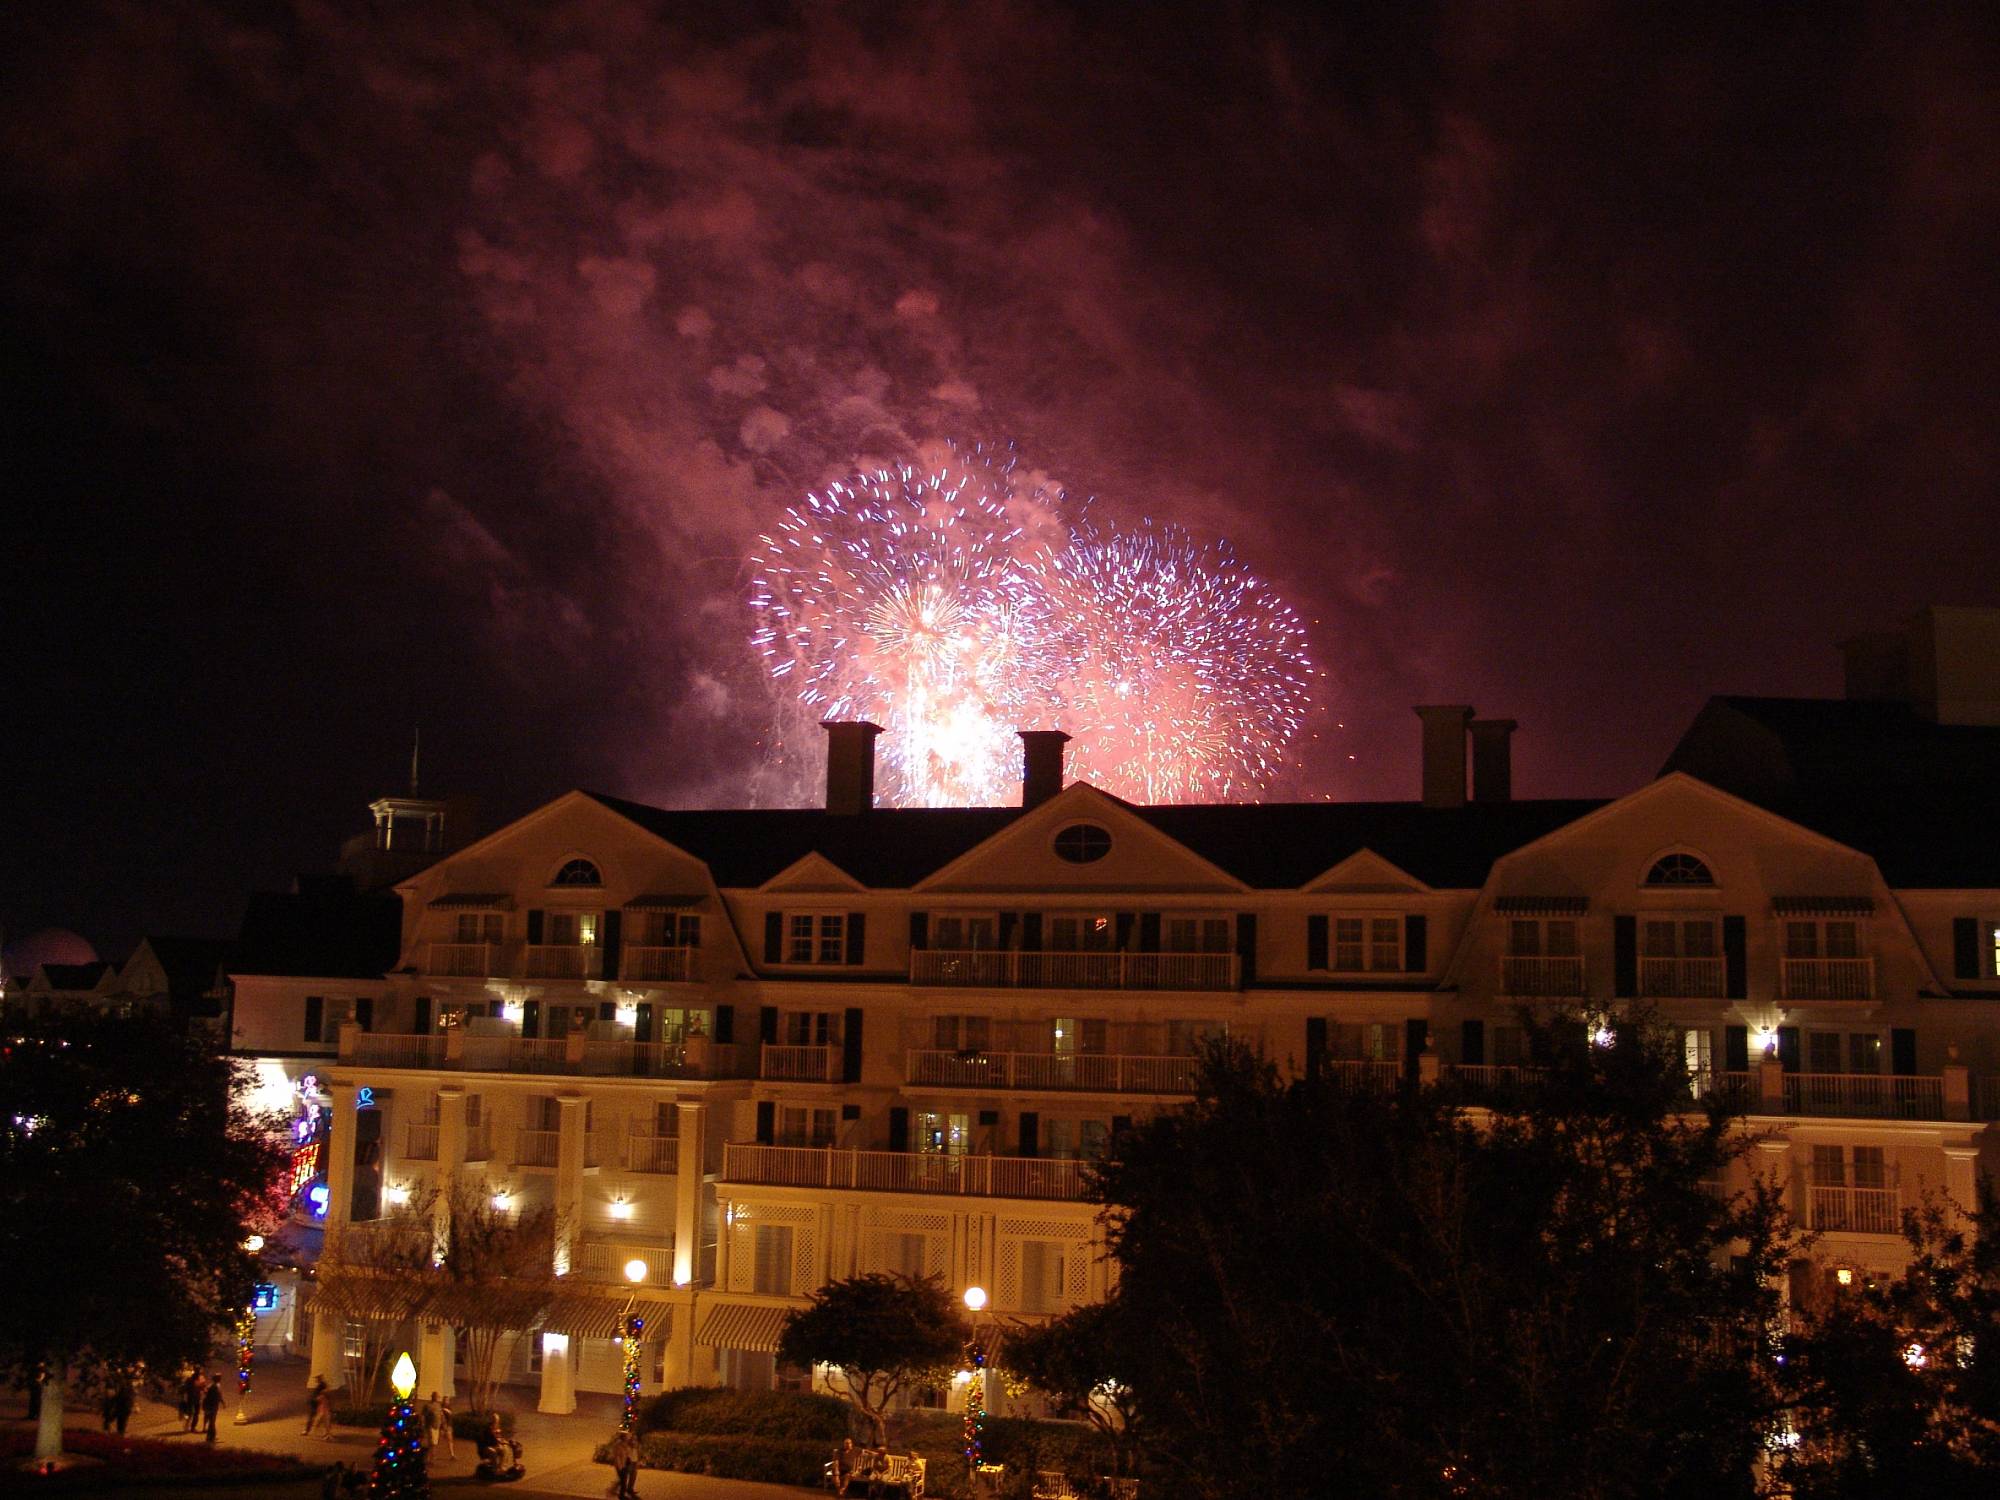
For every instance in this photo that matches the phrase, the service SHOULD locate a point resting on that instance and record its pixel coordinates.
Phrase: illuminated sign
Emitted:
(316, 1197)
(305, 1166)
(365, 1099)
(264, 1298)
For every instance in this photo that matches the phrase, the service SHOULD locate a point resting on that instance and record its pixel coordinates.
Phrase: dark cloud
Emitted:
(443, 363)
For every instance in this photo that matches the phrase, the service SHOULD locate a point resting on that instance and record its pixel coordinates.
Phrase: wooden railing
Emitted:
(561, 960)
(799, 1064)
(1009, 969)
(1867, 1096)
(420, 1143)
(1522, 974)
(1854, 1210)
(1828, 978)
(1082, 1072)
(537, 1148)
(465, 960)
(904, 1172)
(1681, 978)
(660, 965)
(647, 1151)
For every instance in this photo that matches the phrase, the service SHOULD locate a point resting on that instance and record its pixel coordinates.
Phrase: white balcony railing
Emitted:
(601, 1260)
(1375, 1077)
(648, 1151)
(904, 1172)
(561, 960)
(799, 1064)
(420, 1143)
(1681, 978)
(1829, 978)
(387, 1050)
(467, 960)
(1867, 1096)
(1488, 1075)
(1524, 974)
(1855, 1210)
(1007, 969)
(659, 965)
(537, 1148)
(1082, 1072)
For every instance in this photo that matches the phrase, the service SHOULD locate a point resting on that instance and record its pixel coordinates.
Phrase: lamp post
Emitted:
(246, 1335)
(975, 1391)
(634, 1331)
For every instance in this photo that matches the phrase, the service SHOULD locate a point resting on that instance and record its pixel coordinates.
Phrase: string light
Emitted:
(635, 1331)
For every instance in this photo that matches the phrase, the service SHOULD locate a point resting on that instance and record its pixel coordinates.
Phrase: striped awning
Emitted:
(1542, 906)
(661, 902)
(472, 901)
(742, 1325)
(1823, 906)
(583, 1316)
(368, 1299)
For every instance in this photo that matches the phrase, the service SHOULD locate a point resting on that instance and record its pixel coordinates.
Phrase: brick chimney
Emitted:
(850, 766)
(1493, 760)
(1041, 765)
(1444, 752)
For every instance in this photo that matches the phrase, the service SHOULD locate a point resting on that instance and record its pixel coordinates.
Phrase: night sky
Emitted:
(375, 366)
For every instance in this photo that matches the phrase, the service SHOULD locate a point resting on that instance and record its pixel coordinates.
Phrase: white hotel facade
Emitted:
(759, 1050)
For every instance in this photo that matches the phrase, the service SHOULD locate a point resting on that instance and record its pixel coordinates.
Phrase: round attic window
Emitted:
(1082, 843)
(1679, 869)
(577, 872)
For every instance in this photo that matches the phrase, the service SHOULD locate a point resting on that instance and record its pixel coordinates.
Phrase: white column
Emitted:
(569, 1183)
(340, 1163)
(558, 1375)
(692, 1116)
(1961, 1180)
(434, 1361)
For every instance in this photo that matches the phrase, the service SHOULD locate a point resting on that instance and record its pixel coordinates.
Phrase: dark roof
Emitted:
(191, 964)
(74, 976)
(324, 931)
(1936, 843)
(1266, 845)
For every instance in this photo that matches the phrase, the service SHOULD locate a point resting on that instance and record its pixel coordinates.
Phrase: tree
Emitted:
(884, 1334)
(1076, 1361)
(129, 1180)
(1403, 1296)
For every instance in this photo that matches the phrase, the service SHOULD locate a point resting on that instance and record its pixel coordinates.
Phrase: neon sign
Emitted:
(265, 1297)
(316, 1197)
(365, 1099)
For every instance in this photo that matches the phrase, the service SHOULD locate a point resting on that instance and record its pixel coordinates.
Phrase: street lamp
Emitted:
(634, 1328)
(975, 1391)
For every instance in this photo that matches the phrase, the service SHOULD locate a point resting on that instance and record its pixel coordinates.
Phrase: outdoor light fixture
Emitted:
(510, 1010)
(635, 1270)
(397, 1193)
(620, 1209)
(502, 1202)
(626, 1014)
(1845, 1276)
(254, 1243)
(403, 1379)
(975, 1297)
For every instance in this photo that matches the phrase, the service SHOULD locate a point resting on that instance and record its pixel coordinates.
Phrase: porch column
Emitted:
(680, 1342)
(558, 1375)
(1772, 1160)
(340, 1161)
(434, 1361)
(1961, 1179)
(450, 1164)
(571, 1111)
(691, 1116)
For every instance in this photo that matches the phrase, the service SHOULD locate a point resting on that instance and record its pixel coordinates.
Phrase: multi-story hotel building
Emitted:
(758, 1050)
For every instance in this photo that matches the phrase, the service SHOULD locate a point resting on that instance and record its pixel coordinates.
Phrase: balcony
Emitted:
(465, 960)
(392, 1243)
(799, 1064)
(537, 1148)
(904, 1172)
(1828, 978)
(1864, 1096)
(561, 961)
(1535, 976)
(1485, 1077)
(420, 1143)
(1364, 1076)
(1681, 978)
(652, 1153)
(468, 1051)
(998, 969)
(657, 965)
(600, 1260)
(1854, 1210)
(393, 1051)
(1078, 1072)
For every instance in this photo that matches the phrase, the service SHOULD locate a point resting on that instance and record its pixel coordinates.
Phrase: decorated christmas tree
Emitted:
(401, 1463)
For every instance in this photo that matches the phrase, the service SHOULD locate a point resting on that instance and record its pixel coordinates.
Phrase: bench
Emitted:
(901, 1477)
(1054, 1484)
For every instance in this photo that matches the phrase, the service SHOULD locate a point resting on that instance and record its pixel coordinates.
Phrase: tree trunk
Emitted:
(49, 1432)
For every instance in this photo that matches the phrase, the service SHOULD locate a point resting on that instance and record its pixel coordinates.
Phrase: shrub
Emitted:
(466, 1426)
(765, 1460)
(148, 1461)
(1025, 1446)
(717, 1411)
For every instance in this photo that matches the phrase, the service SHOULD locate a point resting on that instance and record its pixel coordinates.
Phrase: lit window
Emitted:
(1679, 869)
(578, 872)
(1082, 843)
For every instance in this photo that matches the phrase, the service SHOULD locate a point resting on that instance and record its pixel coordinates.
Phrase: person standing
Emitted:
(625, 1459)
(430, 1419)
(122, 1400)
(313, 1389)
(190, 1399)
(445, 1433)
(211, 1404)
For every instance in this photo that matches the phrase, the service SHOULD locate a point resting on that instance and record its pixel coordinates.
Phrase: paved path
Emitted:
(558, 1450)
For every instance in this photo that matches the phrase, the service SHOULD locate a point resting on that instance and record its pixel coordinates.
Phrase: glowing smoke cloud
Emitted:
(953, 605)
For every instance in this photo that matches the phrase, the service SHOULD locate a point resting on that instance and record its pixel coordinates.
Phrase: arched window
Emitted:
(1679, 869)
(1082, 843)
(578, 872)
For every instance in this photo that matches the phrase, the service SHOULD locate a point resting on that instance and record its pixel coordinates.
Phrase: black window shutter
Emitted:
(989, 1117)
(774, 936)
(315, 1017)
(1007, 921)
(1149, 932)
(899, 1128)
(1031, 1133)
(920, 931)
(1735, 959)
(420, 1017)
(534, 926)
(1736, 1049)
(607, 1010)
(725, 1023)
(850, 1111)
(1788, 1048)
(1031, 932)
(1472, 1043)
(1316, 942)
(857, 937)
(642, 1021)
(767, 1121)
(609, 966)
(1416, 1037)
(850, 1047)
(531, 1018)
(1246, 946)
(767, 1025)
(1903, 1051)
(364, 1012)
(1315, 1045)
(1125, 923)
(1416, 943)
(1965, 948)
(1119, 1125)
(1624, 957)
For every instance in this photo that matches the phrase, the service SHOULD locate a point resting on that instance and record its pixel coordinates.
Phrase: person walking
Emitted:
(430, 1421)
(122, 1399)
(190, 1399)
(313, 1389)
(445, 1434)
(625, 1459)
(211, 1404)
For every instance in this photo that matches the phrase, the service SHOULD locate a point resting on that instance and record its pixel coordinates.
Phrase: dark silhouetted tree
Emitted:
(884, 1334)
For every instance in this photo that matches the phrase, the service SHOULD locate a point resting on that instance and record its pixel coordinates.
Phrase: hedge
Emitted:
(466, 1426)
(1024, 1445)
(766, 1460)
(717, 1411)
(136, 1461)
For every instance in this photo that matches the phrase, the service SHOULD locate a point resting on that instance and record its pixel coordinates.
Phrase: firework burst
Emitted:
(953, 603)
